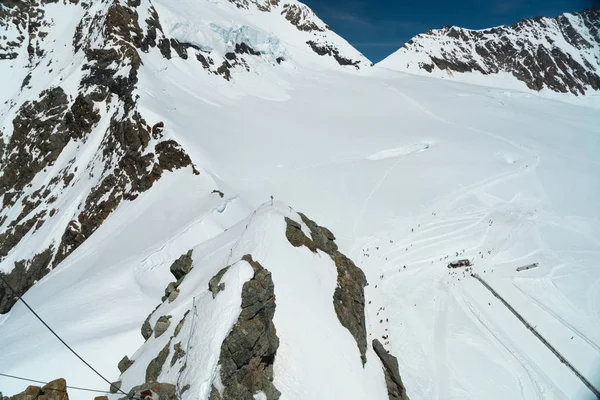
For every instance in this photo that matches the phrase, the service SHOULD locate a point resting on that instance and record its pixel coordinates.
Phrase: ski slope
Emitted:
(409, 173)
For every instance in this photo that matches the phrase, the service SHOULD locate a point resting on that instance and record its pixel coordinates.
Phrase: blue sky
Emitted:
(377, 28)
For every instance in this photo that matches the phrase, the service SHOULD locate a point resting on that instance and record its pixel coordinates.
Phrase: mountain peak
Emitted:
(560, 54)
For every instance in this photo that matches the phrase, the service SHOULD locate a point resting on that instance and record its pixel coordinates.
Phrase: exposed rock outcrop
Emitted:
(393, 381)
(163, 391)
(115, 387)
(155, 367)
(560, 54)
(55, 390)
(248, 352)
(22, 277)
(182, 265)
(124, 364)
(215, 285)
(349, 295)
(326, 49)
(161, 326)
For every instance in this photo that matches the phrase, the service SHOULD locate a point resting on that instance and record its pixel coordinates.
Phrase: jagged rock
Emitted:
(349, 295)
(54, 390)
(349, 300)
(124, 364)
(393, 381)
(323, 238)
(162, 324)
(296, 237)
(215, 285)
(146, 328)
(527, 50)
(173, 295)
(248, 352)
(180, 324)
(155, 367)
(171, 287)
(182, 265)
(178, 353)
(163, 391)
(324, 49)
(115, 386)
(22, 277)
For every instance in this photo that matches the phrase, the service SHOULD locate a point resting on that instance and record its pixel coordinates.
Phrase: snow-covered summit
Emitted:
(561, 54)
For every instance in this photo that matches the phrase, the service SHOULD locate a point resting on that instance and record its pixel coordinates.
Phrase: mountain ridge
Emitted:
(560, 54)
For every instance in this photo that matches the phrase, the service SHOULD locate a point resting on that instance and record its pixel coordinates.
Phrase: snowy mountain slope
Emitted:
(559, 54)
(407, 172)
(86, 72)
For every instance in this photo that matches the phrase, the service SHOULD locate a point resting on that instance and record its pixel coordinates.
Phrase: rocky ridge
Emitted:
(349, 295)
(561, 54)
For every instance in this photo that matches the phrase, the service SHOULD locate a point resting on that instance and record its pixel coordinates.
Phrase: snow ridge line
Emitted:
(194, 313)
(539, 336)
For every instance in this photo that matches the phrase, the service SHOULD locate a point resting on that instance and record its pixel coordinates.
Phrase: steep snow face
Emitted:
(257, 32)
(559, 54)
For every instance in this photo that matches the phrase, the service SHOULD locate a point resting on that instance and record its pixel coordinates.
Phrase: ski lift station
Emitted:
(526, 267)
(460, 263)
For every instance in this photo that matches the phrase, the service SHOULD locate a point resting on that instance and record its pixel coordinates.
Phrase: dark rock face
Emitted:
(248, 352)
(124, 364)
(393, 381)
(327, 50)
(527, 50)
(349, 295)
(146, 328)
(215, 285)
(182, 265)
(301, 17)
(178, 353)
(42, 128)
(22, 277)
(55, 390)
(155, 367)
(180, 324)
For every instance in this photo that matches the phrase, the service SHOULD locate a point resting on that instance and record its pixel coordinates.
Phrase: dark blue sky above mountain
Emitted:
(380, 27)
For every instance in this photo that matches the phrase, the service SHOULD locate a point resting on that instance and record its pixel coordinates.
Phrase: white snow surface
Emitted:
(409, 173)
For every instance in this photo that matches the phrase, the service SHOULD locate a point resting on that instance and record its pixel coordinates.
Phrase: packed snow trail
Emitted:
(540, 337)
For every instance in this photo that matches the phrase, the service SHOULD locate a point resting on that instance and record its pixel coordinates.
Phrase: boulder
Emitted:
(171, 287)
(162, 325)
(124, 364)
(55, 390)
(156, 391)
(173, 295)
(146, 328)
(182, 265)
(215, 285)
(115, 386)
